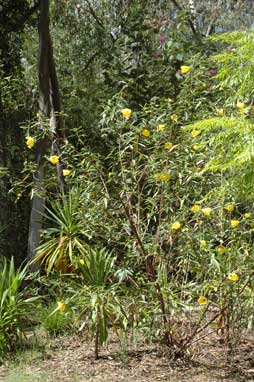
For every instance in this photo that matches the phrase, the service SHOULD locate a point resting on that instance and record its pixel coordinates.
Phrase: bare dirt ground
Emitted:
(71, 359)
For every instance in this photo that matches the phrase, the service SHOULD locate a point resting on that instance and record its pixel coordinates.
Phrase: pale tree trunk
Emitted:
(193, 12)
(192, 8)
(179, 6)
(49, 107)
(38, 198)
(56, 117)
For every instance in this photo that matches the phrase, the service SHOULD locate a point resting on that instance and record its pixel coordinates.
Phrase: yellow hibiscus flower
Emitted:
(66, 172)
(54, 159)
(233, 277)
(168, 145)
(207, 211)
(126, 113)
(195, 133)
(220, 111)
(61, 306)
(176, 226)
(195, 208)
(202, 300)
(229, 207)
(185, 69)
(221, 250)
(174, 118)
(146, 133)
(30, 142)
(234, 223)
(161, 127)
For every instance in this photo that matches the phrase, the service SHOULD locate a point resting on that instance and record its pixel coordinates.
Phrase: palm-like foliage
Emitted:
(97, 267)
(14, 306)
(100, 302)
(65, 238)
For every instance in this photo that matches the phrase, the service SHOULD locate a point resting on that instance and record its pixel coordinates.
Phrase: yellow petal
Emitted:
(126, 113)
(185, 69)
(30, 142)
(66, 172)
(240, 105)
(207, 211)
(61, 306)
(234, 223)
(233, 277)
(229, 207)
(202, 300)
(168, 145)
(176, 226)
(203, 244)
(146, 133)
(161, 127)
(221, 250)
(220, 111)
(197, 147)
(195, 208)
(174, 117)
(54, 159)
(195, 133)
(164, 177)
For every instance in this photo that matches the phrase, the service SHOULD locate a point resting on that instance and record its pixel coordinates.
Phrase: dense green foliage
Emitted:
(149, 229)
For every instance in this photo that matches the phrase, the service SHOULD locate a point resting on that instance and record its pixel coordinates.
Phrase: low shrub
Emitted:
(16, 305)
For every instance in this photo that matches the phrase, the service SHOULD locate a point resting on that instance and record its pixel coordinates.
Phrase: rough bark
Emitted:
(49, 107)
(38, 199)
(56, 116)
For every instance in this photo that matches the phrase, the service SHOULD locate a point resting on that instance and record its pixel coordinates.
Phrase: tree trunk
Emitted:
(38, 199)
(49, 107)
(56, 117)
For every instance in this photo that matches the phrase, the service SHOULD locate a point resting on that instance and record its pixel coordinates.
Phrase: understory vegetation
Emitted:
(139, 188)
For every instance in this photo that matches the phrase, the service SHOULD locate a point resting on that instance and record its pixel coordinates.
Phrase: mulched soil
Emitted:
(68, 359)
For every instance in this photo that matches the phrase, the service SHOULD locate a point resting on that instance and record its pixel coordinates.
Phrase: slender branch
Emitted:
(89, 62)
(137, 236)
(97, 19)
(198, 329)
(151, 271)
(158, 234)
(210, 28)
(190, 22)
